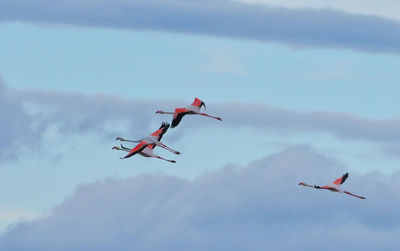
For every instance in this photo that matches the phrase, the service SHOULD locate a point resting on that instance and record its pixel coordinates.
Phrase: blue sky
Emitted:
(72, 82)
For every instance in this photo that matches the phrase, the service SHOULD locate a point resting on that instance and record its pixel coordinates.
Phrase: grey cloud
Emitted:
(300, 28)
(257, 207)
(392, 150)
(342, 125)
(17, 126)
(27, 115)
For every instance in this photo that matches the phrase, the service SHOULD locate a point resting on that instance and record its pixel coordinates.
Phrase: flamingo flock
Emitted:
(147, 144)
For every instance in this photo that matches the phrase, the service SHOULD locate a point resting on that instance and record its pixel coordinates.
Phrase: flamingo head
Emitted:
(115, 148)
(159, 111)
(302, 183)
(119, 138)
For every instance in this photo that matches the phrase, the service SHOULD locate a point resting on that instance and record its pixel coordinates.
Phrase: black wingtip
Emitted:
(345, 176)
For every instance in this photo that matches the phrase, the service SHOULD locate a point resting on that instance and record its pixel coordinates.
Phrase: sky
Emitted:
(307, 91)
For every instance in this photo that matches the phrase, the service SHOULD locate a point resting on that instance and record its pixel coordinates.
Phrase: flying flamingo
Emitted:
(335, 187)
(194, 108)
(146, 152)
(147, 144)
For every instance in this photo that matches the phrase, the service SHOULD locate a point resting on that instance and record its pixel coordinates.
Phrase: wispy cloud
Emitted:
(28, 115)
(383, 8)
(225, 18)
(346, 126)
(252, 208)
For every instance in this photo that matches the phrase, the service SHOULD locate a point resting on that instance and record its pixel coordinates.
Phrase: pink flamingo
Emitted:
(335, 187)
(194, 108)
(146, 152)
(147, 144)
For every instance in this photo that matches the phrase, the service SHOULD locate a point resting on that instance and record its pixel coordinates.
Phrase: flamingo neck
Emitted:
(163, 112)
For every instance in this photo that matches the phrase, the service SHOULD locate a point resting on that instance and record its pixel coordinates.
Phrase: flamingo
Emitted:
(146, 152)
(152, 141)
(194, 108)
(335, 186)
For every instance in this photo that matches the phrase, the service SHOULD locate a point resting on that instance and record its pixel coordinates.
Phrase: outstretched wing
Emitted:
(178, 115)
(142, 145)
(341, 180)
(160, 132)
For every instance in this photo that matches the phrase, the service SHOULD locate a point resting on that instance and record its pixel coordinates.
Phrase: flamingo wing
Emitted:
(341, 180)
(161, 131)
(142, 145)
(178, 115)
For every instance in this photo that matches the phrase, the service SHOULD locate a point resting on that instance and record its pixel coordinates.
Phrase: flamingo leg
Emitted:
(354, 195)
(166, 147)
(204, 114)
(172, 161)
(158, 157)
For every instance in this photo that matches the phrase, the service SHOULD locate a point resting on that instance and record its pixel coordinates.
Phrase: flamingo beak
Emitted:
(158, 111)
(115, 148)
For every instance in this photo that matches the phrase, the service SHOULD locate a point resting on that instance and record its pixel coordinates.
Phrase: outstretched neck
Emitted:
(305, 184)
(162, 112)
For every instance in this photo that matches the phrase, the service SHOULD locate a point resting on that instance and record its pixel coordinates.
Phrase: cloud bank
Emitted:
(343, 125)
(28, 115)
(257, 207)
(297, 27)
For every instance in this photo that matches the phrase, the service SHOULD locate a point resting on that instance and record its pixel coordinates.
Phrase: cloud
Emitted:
(383, 8)
(256, 207)
(325, 28)
(17, 127)
(392, 150)
(28, 117)
(343, 125)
